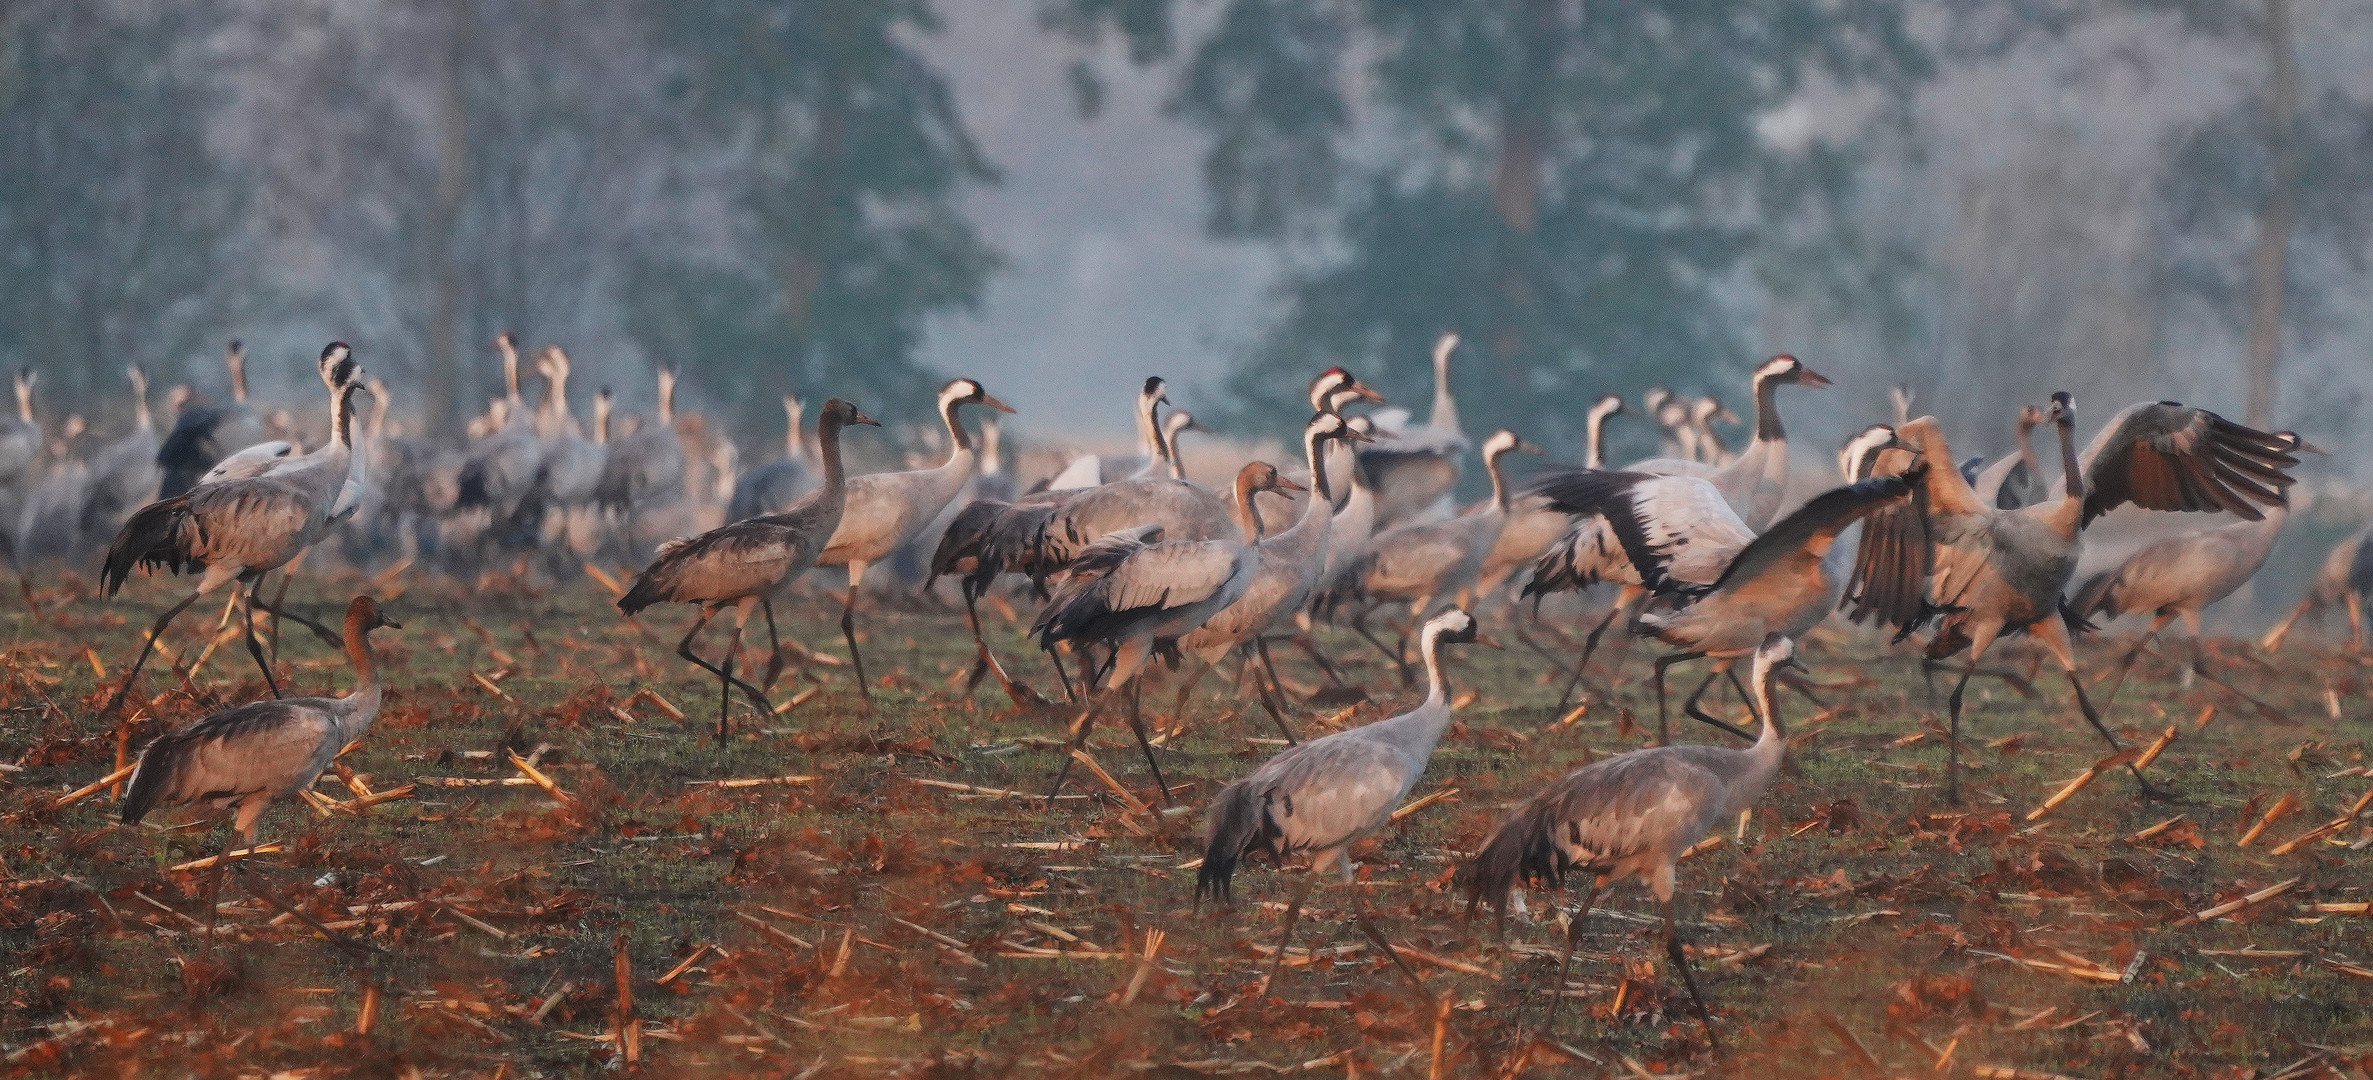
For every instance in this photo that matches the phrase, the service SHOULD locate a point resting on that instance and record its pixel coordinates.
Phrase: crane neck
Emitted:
(992, 447)
(358, 651)
(1771, 744)
(1437, 682)
(511, 377)
(667, 404)
(1314, 448)
(1248, 517)
(828, 447)
(1445, 417)
(1594, 438)
(1499, 482)
(2026, 437)
(1168, 441)
(794, 447)
(236, 361)
(1767, 410)
(2069, 468)
(1149, 428)
(601, 419)
(145, 423)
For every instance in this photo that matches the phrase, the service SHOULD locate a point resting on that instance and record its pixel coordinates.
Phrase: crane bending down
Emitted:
(2177, 577)
(742, 563)
(1978, 572)
(240, 530)
(2345, 578)
(1320, 798)
(886, 510)
(1632, 815)
(1134, 592)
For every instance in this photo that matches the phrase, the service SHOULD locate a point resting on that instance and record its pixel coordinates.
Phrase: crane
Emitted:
(1532, 525)
(885, 510)
(2345, 578)
(778, 483)
(240, 530)
(742, 563)
(2017, 479)
(1134, 591)
(205, 434)
(1320, 798)
(1979, 572)
(644, 469)
(1632, 815)
(2178, 577)
(1417, 472)
(124, 473)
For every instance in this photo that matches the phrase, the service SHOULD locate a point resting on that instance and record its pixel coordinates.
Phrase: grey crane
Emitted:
(1133, 591)
(2178, 577)
(568, 464)
(1416, 473)
(1633, 815)
(644, 470)
(885, 510)
(1287, 568)
(780, 482)
(1725, 588)
(1710, 448)
(499, 471)
(205, 434)
(1320, 798)
(240, 530)
(45, 525)
(249, 755)
(1978, 572)
(743, 563)
(1679, 441)
(124, 473)
(1532, 525)
(1160, 454)
(2017, 479)
(1423, 563)
(2345, 579)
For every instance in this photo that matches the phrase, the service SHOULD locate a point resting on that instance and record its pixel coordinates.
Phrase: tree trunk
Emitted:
(443, 383)
(2269, 268)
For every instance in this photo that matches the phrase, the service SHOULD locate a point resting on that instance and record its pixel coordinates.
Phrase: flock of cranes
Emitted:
(1137, 563)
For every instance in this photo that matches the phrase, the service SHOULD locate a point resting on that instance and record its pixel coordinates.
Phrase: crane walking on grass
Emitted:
(1633, 815)
(742, 564)
(1320, 798)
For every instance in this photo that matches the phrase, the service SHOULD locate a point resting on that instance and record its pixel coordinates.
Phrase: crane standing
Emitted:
(1633, 815)
(742, 563)
(1322, 797)
(240, 530)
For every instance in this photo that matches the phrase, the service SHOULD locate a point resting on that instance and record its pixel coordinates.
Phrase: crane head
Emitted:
(1335, 388)
(364, 615)
(1791, 369)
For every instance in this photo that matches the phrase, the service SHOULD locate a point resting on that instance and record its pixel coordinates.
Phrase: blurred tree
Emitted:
(122, 236)
(844, 155)
(1582, 189)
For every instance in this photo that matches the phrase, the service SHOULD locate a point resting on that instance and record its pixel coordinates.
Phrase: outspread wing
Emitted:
(1807, 533)
(1895, 557)
(1678, 531)
(2167, 456)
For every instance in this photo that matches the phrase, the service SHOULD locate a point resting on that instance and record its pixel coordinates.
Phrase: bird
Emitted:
(1710, 448)
(240, 530)
(1679, 442)
(1978, 572)
(570, 464)
(2178, 577)
(2345, 579)
(1723, 587)
(1134, 591)
(743, 563)
(1323, 796)
(1532, 526)
(1416, 473)
(2017, 479)
(645, 469)
(1632, 815)
(885, 510)
(45, 525)
(499, 470)
(1755, 481)
(1288, 567)
(1160, 455)
(1425, 562)
(251, 754)
(124, 473)
(205, 434)
(778, 483)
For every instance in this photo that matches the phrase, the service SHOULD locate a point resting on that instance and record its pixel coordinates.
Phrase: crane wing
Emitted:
(1329, 791)
(2167, 456)
(1805, 535)
(1896, 556)
(1678, 531)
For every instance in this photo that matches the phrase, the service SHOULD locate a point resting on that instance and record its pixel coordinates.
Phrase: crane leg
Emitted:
(1080, 727)
(848, 630)
(1691, 707)
(1137, 725)
(155, 631)
(1663, 735)
(733, 650)
(1565, 963)
(684, 649)
(774, 643)
(2117, 680)
(2356, 620)
(1276, 689)
(1672, 948)
(2093, 717)
(1367, 928)
(255, 648)
(1178, 707)
(2280, 630)
(2200, 665)
(1293, 911)
(1359, 625)
(1309, 647)
(1069, 693)
(1803, 686)
(1589, 645)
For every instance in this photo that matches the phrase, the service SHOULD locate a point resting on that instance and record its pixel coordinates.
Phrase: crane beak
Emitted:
(1527, 446)
(1366, 393)
(390, 623)
(1808, 377)
(1284, 484)
(868, 421)
(1485, 640)
(994, 404)
(1350, 435)
(2306, 447)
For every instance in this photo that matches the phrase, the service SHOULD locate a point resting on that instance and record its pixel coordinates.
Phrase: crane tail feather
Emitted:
(1238, 819)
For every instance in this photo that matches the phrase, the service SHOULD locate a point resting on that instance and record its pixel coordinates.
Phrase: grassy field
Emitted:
(859, 912)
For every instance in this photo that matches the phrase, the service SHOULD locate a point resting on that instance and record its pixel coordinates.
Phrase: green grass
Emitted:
(1874, 897)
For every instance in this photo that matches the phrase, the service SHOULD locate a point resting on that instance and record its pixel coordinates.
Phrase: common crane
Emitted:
(1416, 472)
(1633, 815)
(205, 434)
(743, 563)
